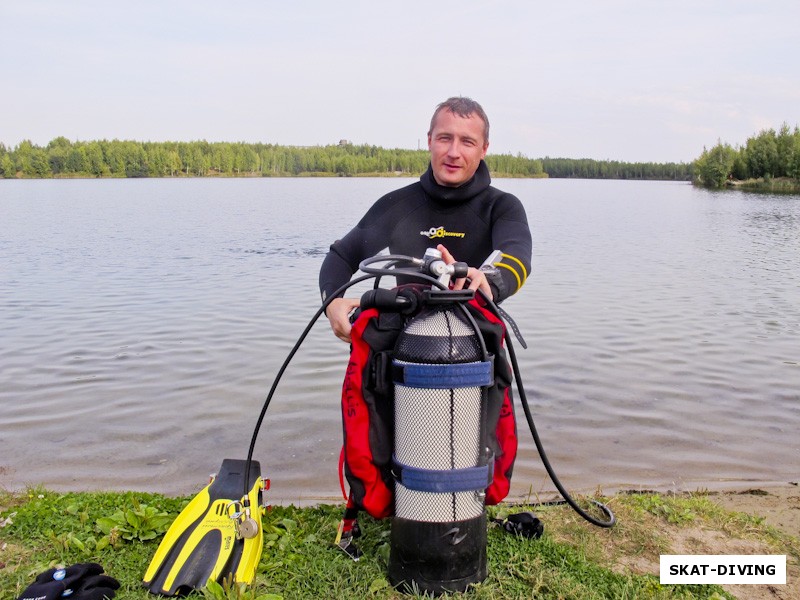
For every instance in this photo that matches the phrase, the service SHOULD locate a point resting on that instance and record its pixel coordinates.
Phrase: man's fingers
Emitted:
(478, 281)
(477, 278)
(338, 313)
(446, 256)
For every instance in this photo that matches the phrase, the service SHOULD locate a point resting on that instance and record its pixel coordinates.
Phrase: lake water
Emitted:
(142, 323)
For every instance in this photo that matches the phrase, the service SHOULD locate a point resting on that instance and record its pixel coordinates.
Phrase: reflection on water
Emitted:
(143, 322)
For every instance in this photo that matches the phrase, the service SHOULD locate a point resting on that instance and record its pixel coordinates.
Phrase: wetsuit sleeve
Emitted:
(366, 239)
(511, 235)
(334, 273)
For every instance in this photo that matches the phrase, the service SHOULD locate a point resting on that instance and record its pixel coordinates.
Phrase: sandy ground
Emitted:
(779, 506)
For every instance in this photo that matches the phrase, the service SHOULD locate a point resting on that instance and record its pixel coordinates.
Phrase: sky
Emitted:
(629, 80)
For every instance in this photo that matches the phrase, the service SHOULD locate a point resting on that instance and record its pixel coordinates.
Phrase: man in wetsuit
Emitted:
(452, 207)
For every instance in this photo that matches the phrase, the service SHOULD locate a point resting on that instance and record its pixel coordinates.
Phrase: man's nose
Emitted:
(454, 149)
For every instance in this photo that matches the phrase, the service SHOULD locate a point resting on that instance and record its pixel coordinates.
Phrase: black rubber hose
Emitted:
(283, 368)
(611, 521)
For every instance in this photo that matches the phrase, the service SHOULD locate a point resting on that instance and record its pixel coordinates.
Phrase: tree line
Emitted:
(768, 155)
(123, 158)
(586, 168)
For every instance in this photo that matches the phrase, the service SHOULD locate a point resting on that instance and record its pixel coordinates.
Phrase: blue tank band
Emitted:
(447, 481)
(462, 375)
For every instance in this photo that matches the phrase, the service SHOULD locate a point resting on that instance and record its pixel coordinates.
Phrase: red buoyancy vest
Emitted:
(368, 413)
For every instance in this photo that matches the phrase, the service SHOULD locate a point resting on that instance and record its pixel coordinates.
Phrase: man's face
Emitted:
(457, 147)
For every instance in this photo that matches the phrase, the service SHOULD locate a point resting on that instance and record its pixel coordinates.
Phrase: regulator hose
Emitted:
(376, 273)
(287, 360)
(611, 520)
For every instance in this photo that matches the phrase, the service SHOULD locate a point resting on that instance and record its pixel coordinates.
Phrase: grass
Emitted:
(40, 528)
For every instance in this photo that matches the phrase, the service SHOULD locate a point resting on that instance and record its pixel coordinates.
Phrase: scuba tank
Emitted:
(441, 463)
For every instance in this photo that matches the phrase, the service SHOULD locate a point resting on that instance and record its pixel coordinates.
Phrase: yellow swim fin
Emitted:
(212, 538)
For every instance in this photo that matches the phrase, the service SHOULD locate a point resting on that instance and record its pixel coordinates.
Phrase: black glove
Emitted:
(53, 583)
(525, 524)
(96, 587)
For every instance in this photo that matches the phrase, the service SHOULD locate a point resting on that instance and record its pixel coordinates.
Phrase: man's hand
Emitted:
(477, 278)
(338, 313)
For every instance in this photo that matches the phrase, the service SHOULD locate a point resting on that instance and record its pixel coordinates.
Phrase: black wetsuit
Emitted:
(471, 221)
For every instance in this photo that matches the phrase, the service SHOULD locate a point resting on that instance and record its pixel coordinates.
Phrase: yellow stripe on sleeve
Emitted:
(513, 270)
(522, 266)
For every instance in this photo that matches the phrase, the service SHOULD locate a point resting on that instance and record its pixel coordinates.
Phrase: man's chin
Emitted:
(449, 179)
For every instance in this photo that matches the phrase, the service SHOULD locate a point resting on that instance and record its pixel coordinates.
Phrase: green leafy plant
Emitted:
(674, 510)
(279, 544)
(70, 542)
(142, 522)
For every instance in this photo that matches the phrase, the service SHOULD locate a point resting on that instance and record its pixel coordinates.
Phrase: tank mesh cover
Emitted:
(437, 429)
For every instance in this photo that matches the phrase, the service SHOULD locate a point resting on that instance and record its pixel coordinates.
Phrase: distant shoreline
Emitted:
(132, 159)
(780, 185)
(256, 175)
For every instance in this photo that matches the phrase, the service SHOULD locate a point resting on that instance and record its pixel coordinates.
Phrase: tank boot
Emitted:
(348, 531)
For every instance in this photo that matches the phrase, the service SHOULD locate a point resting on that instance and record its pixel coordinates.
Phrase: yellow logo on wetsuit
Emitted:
(440, 232)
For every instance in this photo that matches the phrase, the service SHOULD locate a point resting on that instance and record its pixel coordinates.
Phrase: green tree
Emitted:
(793, 163)
(762, 154)
(7, 168)
(785, 147)
(95, 161)
(76, 160)
(197, 162)
(714, 167)
(24, 157)
(221, 158)
(114, 157)
(57, 153)
(156, 159)
(174, 164)
(32, 160)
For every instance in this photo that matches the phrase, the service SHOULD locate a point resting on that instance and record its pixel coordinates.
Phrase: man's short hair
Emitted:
(463, 107)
